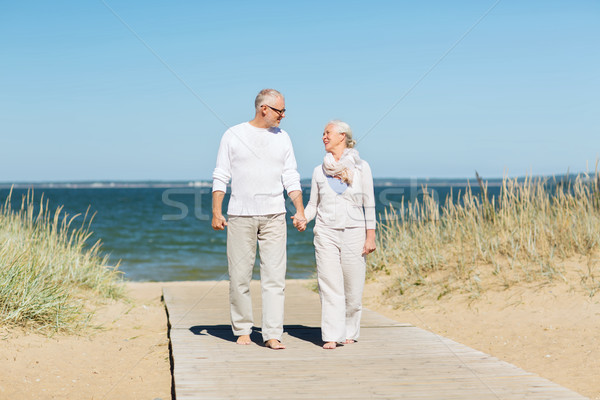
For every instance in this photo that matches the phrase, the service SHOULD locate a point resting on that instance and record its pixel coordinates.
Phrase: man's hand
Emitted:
(219, 222)
(299, 219)
(299, 222)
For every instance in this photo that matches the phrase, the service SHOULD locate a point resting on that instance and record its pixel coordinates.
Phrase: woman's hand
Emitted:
(299, 222)
(369, 246)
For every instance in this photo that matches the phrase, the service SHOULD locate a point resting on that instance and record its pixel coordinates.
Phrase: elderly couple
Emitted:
(257, 157)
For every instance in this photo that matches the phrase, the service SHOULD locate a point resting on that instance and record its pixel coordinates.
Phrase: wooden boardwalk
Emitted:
(392, 360)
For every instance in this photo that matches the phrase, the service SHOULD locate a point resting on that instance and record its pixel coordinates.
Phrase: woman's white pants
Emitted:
(341, 277)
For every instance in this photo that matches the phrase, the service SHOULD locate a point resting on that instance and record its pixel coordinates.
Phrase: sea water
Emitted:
(162, 231)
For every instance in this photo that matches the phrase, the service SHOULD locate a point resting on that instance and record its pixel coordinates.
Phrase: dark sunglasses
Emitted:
(280, 112)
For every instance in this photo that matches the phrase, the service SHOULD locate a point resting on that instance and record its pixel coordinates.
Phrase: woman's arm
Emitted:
(369, 206)
(310, 211)
(368, 197)
(369, 246)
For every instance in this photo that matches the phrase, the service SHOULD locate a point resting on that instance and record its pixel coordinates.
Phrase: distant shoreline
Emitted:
(378, 182)
(105, 185)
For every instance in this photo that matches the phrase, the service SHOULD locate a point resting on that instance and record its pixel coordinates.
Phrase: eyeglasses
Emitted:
(280, 112)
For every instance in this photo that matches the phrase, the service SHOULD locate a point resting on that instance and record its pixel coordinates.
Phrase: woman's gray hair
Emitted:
(343, 127)
(265, 95)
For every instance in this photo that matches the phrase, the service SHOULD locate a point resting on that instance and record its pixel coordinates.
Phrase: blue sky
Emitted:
(143, 90)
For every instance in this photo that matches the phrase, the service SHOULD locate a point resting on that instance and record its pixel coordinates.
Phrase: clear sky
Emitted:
(143, 90)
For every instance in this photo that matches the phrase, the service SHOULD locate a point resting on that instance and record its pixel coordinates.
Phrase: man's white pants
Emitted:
(243, 232)
(341, 276)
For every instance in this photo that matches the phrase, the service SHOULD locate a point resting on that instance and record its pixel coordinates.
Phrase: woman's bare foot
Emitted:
(330, 345)
(244, 339)
(349, 341)
(274, 344)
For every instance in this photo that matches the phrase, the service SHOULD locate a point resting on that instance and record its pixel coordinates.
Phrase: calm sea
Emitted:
(162, 231)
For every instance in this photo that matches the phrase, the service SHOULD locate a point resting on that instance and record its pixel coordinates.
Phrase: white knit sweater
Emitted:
(260, 164)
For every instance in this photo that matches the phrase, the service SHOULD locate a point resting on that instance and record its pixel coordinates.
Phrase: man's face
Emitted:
(275, 111)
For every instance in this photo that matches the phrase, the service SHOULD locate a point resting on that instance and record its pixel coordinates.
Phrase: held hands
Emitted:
(299, 218)
(299, 222)
(219, 222)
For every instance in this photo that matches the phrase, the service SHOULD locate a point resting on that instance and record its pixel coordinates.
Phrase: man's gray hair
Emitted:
(265, 95)
(343, 127)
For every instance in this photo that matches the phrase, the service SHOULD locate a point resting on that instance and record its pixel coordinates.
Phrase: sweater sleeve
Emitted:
(368, 196)
(222, 172)
(290, 176)
(310, 211)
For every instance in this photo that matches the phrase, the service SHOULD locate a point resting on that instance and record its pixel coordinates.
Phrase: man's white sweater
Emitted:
(260, 164)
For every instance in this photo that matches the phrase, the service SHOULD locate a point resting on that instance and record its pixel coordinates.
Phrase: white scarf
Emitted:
(343, 169)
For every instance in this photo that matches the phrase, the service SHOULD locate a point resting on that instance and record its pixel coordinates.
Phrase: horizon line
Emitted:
(203, 183)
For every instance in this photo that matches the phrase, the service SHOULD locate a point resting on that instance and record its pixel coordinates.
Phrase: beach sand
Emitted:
(552, 330)
(127, 359)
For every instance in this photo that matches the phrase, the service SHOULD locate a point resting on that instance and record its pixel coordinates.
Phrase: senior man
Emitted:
(258, 158)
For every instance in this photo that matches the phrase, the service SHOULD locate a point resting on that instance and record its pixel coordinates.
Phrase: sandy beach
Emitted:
(551, 330)
(127, 358)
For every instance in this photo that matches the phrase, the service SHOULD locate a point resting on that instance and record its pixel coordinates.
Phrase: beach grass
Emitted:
(530, 232)
(48, 273)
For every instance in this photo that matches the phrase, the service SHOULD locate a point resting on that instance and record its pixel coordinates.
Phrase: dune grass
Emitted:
(47, 273)
(526, 234)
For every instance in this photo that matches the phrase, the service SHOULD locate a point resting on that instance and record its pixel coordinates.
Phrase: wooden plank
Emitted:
(392, 360)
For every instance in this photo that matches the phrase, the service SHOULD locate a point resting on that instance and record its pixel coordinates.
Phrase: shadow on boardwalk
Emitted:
(301, 332)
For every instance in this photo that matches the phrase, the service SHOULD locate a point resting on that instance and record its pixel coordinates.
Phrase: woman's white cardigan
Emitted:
(354, 208)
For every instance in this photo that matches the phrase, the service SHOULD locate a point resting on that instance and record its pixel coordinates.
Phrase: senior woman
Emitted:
(343, 202)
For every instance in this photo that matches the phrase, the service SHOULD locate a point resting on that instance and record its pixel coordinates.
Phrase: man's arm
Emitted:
(299, 218)
(218, 221)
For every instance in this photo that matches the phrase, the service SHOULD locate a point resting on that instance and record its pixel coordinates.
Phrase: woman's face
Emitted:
(332, 139)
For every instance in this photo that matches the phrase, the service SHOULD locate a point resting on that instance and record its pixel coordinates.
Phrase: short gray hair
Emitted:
(343, 127)
(265, 94)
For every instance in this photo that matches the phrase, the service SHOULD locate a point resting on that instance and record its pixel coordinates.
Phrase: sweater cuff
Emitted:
(293, 186)
(370, 225)
(219, 186)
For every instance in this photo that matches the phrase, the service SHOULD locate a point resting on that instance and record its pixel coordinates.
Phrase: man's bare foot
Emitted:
(274, 344)
(330, 345)
(349, 341)
(244, 339)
